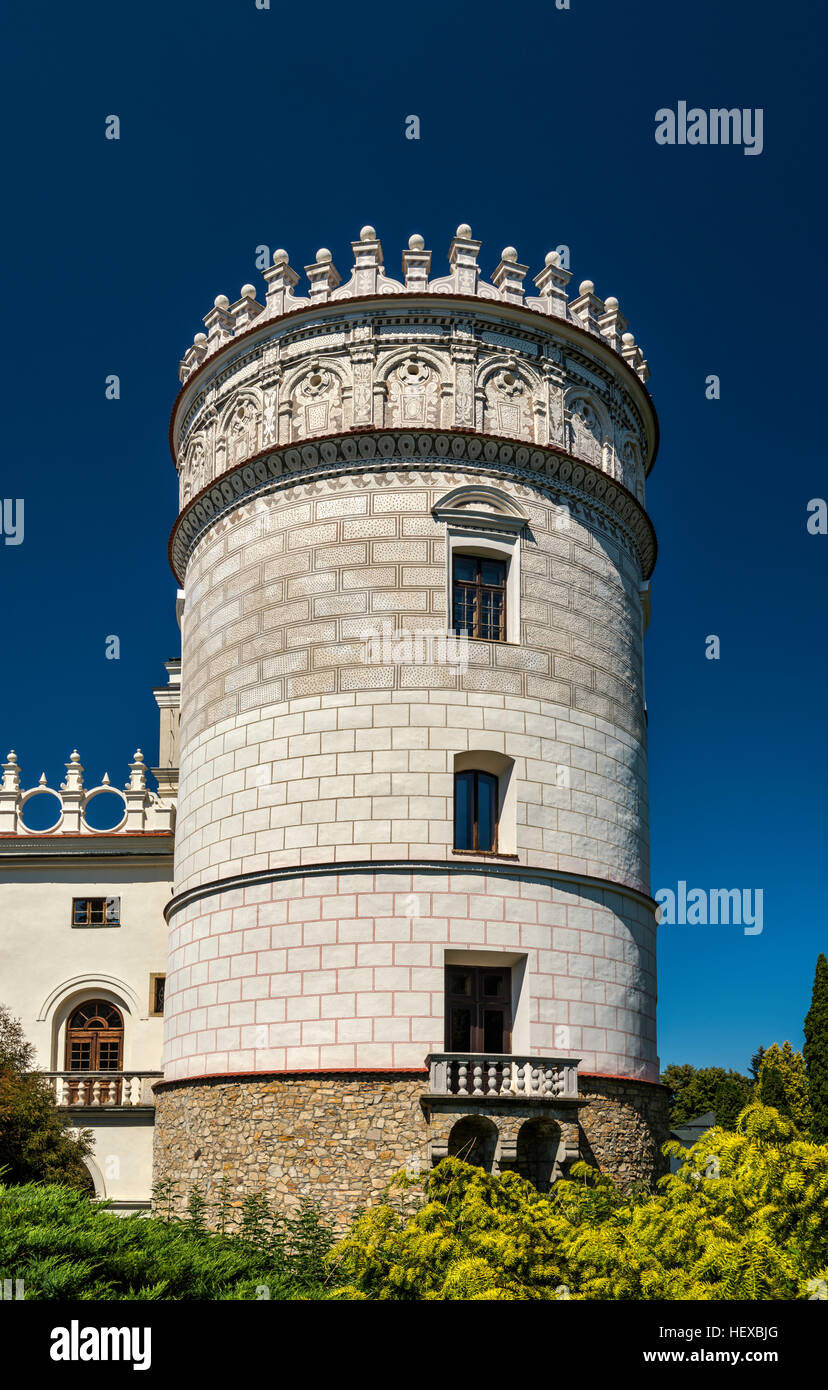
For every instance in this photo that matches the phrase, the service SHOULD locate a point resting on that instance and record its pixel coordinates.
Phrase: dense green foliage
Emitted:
(783, 1084)
(695, 1089)
(34, 1142)
(63, 1247)
(815, 1051)
(745, 1217)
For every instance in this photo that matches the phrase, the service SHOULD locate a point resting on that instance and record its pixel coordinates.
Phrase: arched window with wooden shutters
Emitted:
(95, 1037)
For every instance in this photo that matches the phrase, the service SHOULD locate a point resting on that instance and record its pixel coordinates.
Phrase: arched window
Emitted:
(479, 597)
(476, 811)
(95, 1038)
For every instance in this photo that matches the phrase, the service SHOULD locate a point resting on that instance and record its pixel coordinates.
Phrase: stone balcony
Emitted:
(506, 1077)
(504, 1112)
(103, 1090)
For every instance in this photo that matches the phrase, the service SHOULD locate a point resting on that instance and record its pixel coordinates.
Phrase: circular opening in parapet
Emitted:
(509, 379)
(316, 379)
(104, 811)
(413, 369)
(41, 811)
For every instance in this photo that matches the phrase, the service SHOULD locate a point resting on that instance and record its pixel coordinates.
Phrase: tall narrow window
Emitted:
(475, 811)
(478, 1009)
(479, 597)
(95, 1038)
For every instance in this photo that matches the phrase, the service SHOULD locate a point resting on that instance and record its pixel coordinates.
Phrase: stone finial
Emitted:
(73, 795)
(245, 309)
(193, 357)
(281, 280)
(11, 773)
(323, 277)
(367, 263)
(587, 308)
(219, 323)
(137, 773)
(463, 252)
(416, 264)
(551, 284)
(509, 276)
(74, 774)
(634, 356)
(612, 323)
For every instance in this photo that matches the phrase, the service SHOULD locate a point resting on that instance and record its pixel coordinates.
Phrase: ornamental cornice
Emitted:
(375, 454)
(438, 320)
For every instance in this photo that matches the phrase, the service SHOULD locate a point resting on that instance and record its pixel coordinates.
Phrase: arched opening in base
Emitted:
(537, 1152)
(474, 1140)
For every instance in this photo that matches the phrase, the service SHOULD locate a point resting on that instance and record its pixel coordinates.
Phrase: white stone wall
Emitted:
(345, 970)
(48, 967)
(295, 751)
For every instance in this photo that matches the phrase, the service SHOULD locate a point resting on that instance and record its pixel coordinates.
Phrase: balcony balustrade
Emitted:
(499, 1076)
(103, 1089)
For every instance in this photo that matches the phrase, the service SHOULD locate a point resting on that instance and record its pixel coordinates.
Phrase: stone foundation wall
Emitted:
(340, 1138)
(623, 1128)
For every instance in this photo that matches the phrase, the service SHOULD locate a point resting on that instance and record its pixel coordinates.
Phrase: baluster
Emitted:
(462, 1078)
(478, 1080)
(134, 1091)
(60, 1086)
(80, 1094)
(96, 1092)
(506, 1078)
(112, 1092)
(536, 1081)
(493, 1087)
(548, 1081)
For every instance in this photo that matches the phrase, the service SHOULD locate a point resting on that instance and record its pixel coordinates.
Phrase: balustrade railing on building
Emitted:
(502, 1076)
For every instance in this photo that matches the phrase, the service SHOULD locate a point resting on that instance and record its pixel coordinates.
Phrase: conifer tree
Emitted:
(772, 1090)
(815, 1051)
(728, 1101)
(793, 1101)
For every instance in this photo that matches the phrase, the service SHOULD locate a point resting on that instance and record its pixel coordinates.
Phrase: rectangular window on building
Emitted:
(478, 1009)
(96, 912)
(156, 1000)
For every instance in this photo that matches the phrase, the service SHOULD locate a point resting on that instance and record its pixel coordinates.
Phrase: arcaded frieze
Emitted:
(388, 365)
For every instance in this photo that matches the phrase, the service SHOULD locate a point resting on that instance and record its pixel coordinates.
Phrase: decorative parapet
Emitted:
(99, 1090)
(144, 810)
(226, 321)
(500, 1076)
(453, 353)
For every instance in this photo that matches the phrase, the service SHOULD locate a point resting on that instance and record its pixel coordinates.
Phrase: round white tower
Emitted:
(412, 910)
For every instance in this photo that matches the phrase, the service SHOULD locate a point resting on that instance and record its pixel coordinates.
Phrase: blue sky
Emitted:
(242, 127)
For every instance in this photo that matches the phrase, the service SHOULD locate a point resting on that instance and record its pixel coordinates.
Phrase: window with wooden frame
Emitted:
(476, 811)
(478, 1009)
(156, 999)
(95, 1037)
(479, 597)
(96, 912)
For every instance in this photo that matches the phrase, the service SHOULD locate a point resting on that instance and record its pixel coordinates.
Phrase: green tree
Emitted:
(815, 1051)
(16, 1054)
(772, 1090)
(65, 1247)
(728, 1101)
(34, 1143)
(743, 1218)
(794, 1101)
(694, 1090)
(755, 1064)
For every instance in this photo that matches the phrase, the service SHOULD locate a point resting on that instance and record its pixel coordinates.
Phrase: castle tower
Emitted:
(411, 911)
